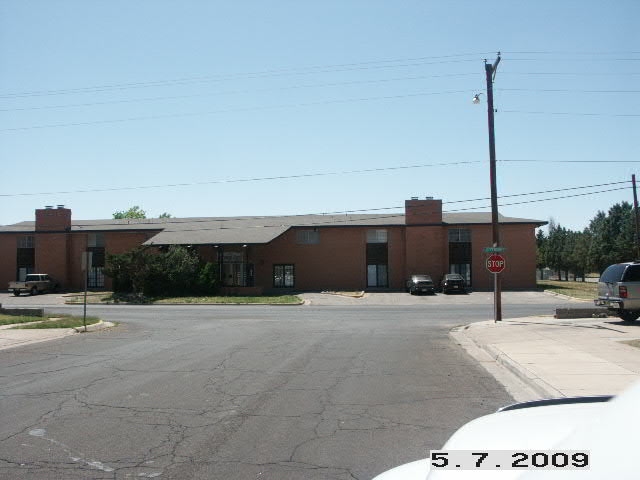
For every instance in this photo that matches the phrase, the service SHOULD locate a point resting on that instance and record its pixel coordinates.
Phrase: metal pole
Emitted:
(635, 214)
(86, 282)
(497, 287)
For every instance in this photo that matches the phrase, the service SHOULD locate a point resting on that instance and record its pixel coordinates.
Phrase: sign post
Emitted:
(496, 264)
(87, 258)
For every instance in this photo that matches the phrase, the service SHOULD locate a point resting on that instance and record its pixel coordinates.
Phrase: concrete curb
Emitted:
(539, 386)
(95, 327)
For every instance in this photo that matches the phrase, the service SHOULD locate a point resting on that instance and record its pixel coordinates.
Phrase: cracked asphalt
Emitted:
(241, 393)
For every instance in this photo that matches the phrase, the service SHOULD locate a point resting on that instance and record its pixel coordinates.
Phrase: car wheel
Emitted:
(16, 293)
(629, 316)
(34, 291)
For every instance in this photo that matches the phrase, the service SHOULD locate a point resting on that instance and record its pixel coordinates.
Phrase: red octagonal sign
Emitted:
(496, 263)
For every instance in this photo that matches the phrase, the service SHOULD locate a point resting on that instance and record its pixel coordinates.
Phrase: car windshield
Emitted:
(422, 279)
(454, 276)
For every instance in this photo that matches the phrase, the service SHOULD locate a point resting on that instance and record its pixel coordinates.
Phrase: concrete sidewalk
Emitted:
(12, 338)
(557, 358)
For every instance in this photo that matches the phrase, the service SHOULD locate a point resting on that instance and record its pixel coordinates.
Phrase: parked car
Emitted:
(33, 284)
(532, 440)
(452, 282)
(619, 290)
(420, 284)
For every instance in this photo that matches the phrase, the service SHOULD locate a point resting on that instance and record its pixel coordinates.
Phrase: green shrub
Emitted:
(148, 272)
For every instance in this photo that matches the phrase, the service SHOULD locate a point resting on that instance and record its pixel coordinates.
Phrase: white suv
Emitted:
(619, 290)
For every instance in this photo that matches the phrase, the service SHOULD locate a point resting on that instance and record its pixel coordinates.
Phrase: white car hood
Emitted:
(607, 430)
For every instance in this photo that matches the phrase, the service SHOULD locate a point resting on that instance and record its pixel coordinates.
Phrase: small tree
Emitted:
(133, 212)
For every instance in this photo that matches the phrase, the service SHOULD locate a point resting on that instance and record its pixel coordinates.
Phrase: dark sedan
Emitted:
(452, 282)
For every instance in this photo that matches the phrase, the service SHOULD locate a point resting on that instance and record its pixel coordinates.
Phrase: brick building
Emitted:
(262, 254)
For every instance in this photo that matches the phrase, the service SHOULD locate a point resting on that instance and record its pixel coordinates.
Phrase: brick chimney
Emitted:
(420, 212)
(51, 219)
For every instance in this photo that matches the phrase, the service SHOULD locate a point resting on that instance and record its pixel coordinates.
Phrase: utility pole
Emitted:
(636, 243)
(490, 70)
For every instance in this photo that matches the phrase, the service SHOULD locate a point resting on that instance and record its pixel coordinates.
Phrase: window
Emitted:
(460, 253)
(377, 276)
(95, 245)
(25, 257)
(376, 236)
(95, 240)
(283, 276)
(632, 274)
(236, 272)
(308, 237)
(459, 235)
(377, 264)
(25, 242)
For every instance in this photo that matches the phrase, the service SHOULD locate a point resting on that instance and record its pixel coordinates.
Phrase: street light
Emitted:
(490, 71)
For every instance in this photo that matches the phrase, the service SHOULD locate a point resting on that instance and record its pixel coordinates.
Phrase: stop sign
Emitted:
(496, 263)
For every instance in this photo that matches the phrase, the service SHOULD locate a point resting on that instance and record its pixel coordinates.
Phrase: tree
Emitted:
(612, 236)
(133, 212)
(165, 215)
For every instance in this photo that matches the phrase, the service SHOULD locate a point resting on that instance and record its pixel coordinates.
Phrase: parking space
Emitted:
(401, 298)
(24, 300)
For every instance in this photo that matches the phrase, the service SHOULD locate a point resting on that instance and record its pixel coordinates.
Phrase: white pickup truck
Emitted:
(34, 283)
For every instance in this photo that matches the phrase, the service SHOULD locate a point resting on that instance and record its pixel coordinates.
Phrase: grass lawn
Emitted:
(267, 299)
(109, 297)
(581, 290)
(57, 321)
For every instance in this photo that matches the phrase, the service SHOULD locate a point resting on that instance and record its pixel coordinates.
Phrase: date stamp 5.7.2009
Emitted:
(509, 460)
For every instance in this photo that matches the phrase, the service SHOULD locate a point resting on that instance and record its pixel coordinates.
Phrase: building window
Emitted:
(377, 259)
(25, 257)
(95, 240)
(459, 235)
(25, 242)
(236, 272)
(284, 276)
(308, 237)
(376, 236)
(95, 245)
(460, 253)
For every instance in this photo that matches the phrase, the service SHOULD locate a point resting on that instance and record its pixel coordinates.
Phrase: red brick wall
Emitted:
(427, 251)
(53, 219)
(8, 259)
(337, 262)
(52, 256)
(423, 211)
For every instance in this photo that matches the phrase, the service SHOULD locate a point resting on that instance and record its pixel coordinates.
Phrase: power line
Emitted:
(250, 75)
(543, 199)
(243, 180)
(563, 90)
(236, 92)
(581, 74)
(579, 114)
(560, 52)
(233, 110)
(346, 219)
(361, 211)
(566, 161)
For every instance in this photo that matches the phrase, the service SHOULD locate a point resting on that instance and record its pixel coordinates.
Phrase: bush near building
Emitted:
(174, 272)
